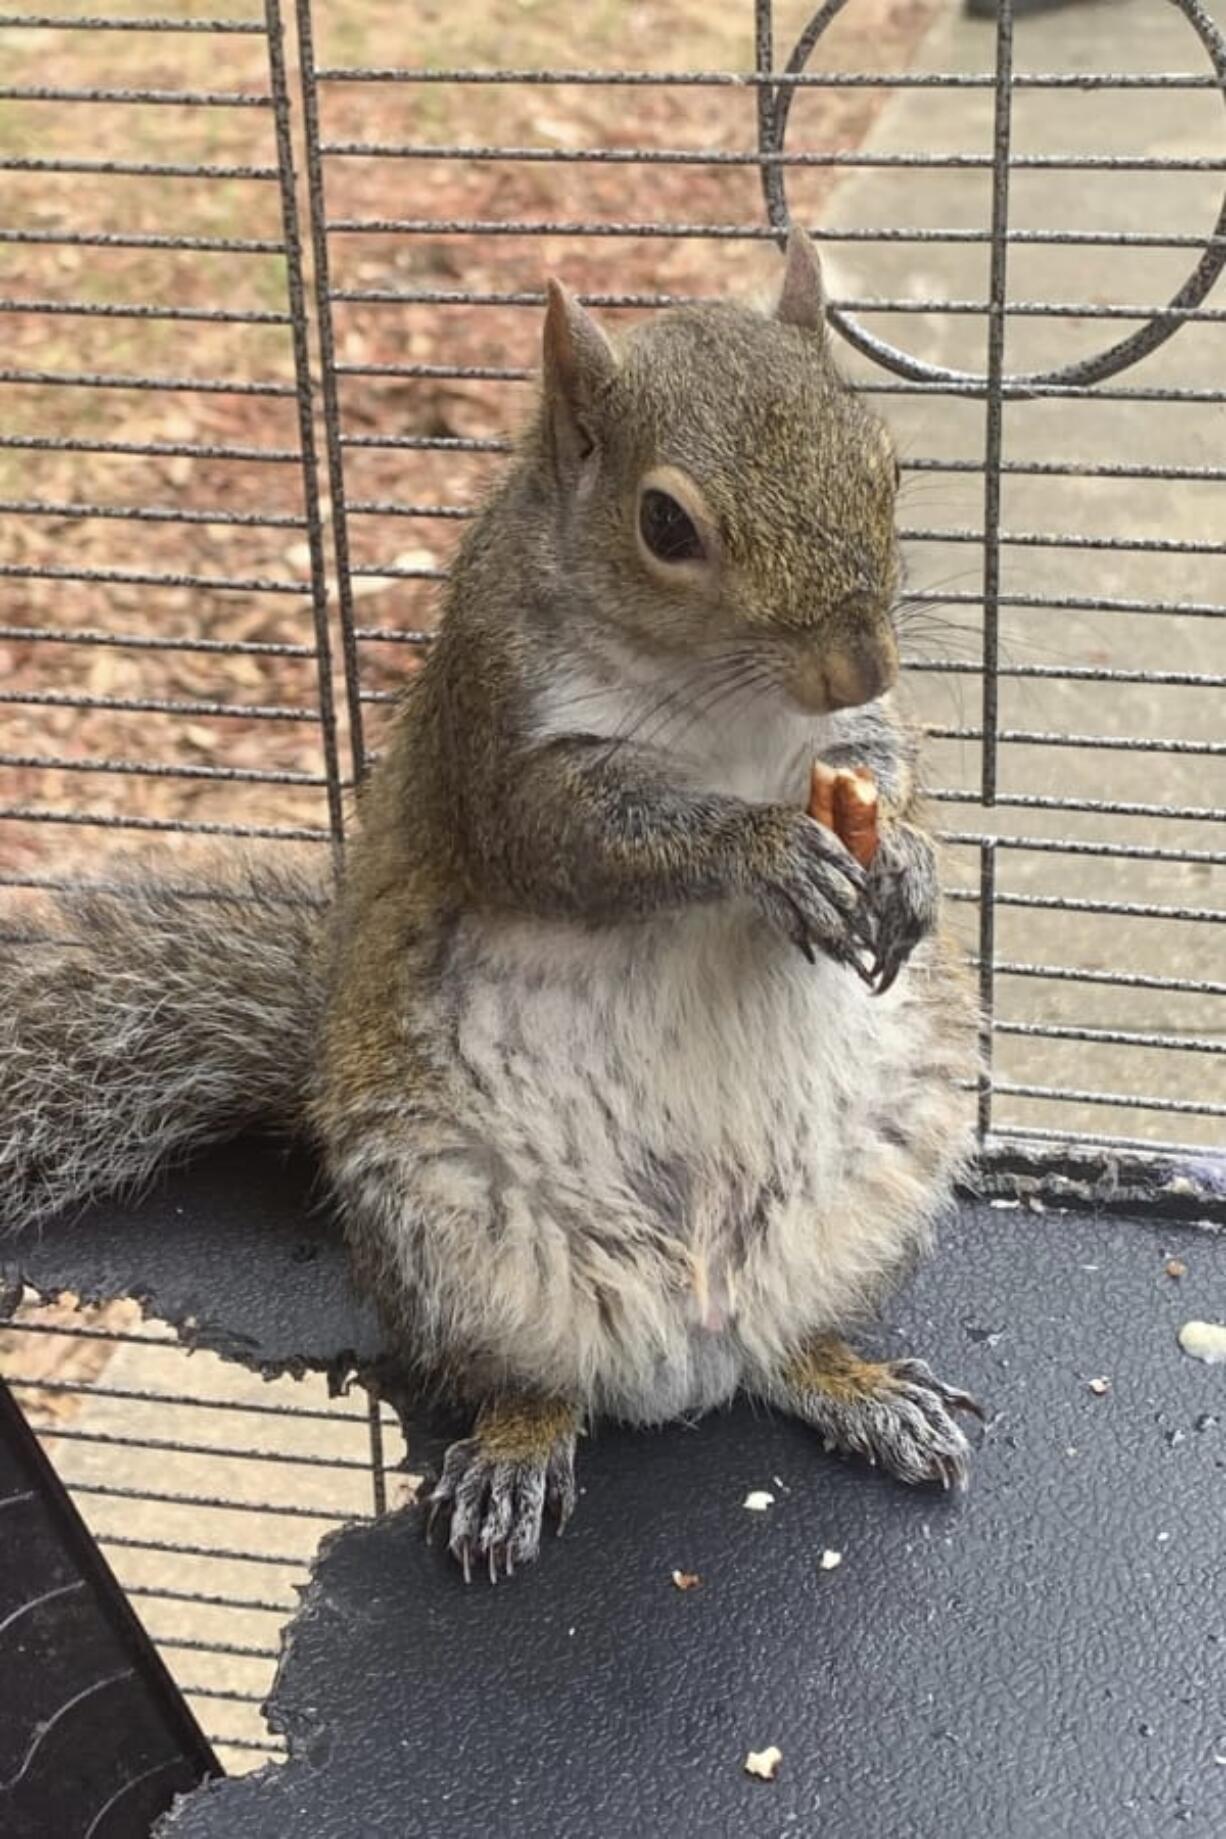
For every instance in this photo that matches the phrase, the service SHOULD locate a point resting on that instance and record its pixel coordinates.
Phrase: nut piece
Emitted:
(764, 1763)
(686, 1580)
(855, 813)
(1100, 1387)
(1175, 1267)
(846, 802)
(759, 1501)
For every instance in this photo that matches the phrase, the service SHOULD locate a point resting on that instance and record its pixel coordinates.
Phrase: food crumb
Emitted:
(764, 1763)
(829, 1560)
(686, 1580)
(1175, 1267)
(1100, 1386)
(758, 1501)
(1204, 1341)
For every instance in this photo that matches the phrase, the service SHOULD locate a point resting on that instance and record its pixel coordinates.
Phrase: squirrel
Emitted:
(632, 1087)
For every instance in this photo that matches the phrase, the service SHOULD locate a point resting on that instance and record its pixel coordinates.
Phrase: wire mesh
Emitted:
(1065, 925)
(165, 652)
(209, 542)
(646, 186)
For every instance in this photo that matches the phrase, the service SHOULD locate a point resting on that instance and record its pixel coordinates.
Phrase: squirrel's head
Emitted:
(717, 483)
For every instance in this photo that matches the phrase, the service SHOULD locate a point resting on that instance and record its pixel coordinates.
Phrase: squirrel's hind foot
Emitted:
(895, 1413)
(497, 1484)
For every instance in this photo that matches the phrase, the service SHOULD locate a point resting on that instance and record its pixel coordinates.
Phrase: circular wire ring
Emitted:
(774, 106)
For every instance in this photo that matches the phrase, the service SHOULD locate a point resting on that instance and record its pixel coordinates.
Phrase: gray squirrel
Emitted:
(633, 1088)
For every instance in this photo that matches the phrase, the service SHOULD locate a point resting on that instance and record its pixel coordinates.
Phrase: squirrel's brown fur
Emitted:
(631, 1085)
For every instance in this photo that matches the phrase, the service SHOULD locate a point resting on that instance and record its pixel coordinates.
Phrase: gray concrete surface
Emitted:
(1134, 35)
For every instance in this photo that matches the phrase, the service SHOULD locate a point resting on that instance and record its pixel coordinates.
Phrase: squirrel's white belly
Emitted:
(685, 1149)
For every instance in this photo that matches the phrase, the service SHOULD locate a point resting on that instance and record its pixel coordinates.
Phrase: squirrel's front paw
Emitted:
(811, 887)
(904, 895)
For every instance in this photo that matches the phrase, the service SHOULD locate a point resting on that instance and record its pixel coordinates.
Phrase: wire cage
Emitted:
(270, 298)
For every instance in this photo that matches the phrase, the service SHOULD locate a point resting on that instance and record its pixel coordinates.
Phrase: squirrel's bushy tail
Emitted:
(157, 1015)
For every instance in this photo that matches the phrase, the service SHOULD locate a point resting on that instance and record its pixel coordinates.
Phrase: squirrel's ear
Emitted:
(578, 362)
(802, 298)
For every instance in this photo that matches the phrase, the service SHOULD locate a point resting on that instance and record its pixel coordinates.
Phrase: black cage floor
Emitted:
(1040, 1659)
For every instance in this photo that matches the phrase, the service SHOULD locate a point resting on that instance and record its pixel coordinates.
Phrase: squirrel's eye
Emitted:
(667, 529)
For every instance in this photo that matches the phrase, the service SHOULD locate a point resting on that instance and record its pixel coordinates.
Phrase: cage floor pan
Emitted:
(1042, 1656)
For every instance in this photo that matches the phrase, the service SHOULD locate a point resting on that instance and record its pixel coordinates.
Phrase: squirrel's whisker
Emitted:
(668, 699)
(747, 678)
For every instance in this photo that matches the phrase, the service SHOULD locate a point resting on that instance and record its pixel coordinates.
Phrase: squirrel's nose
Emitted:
(860, 670)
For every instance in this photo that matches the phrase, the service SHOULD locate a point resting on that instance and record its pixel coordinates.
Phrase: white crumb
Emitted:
(758, 1501)
(830, 1560)
(1204, 1341)
(1100, 1386)
(764, 1763)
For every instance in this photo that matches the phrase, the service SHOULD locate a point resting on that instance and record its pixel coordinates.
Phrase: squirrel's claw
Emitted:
(903, 896)
(885, 974)
(919, 1371)
(896, 1415)
(561, 1494)
(862, 924)
(809, 886)
(497, 1502)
